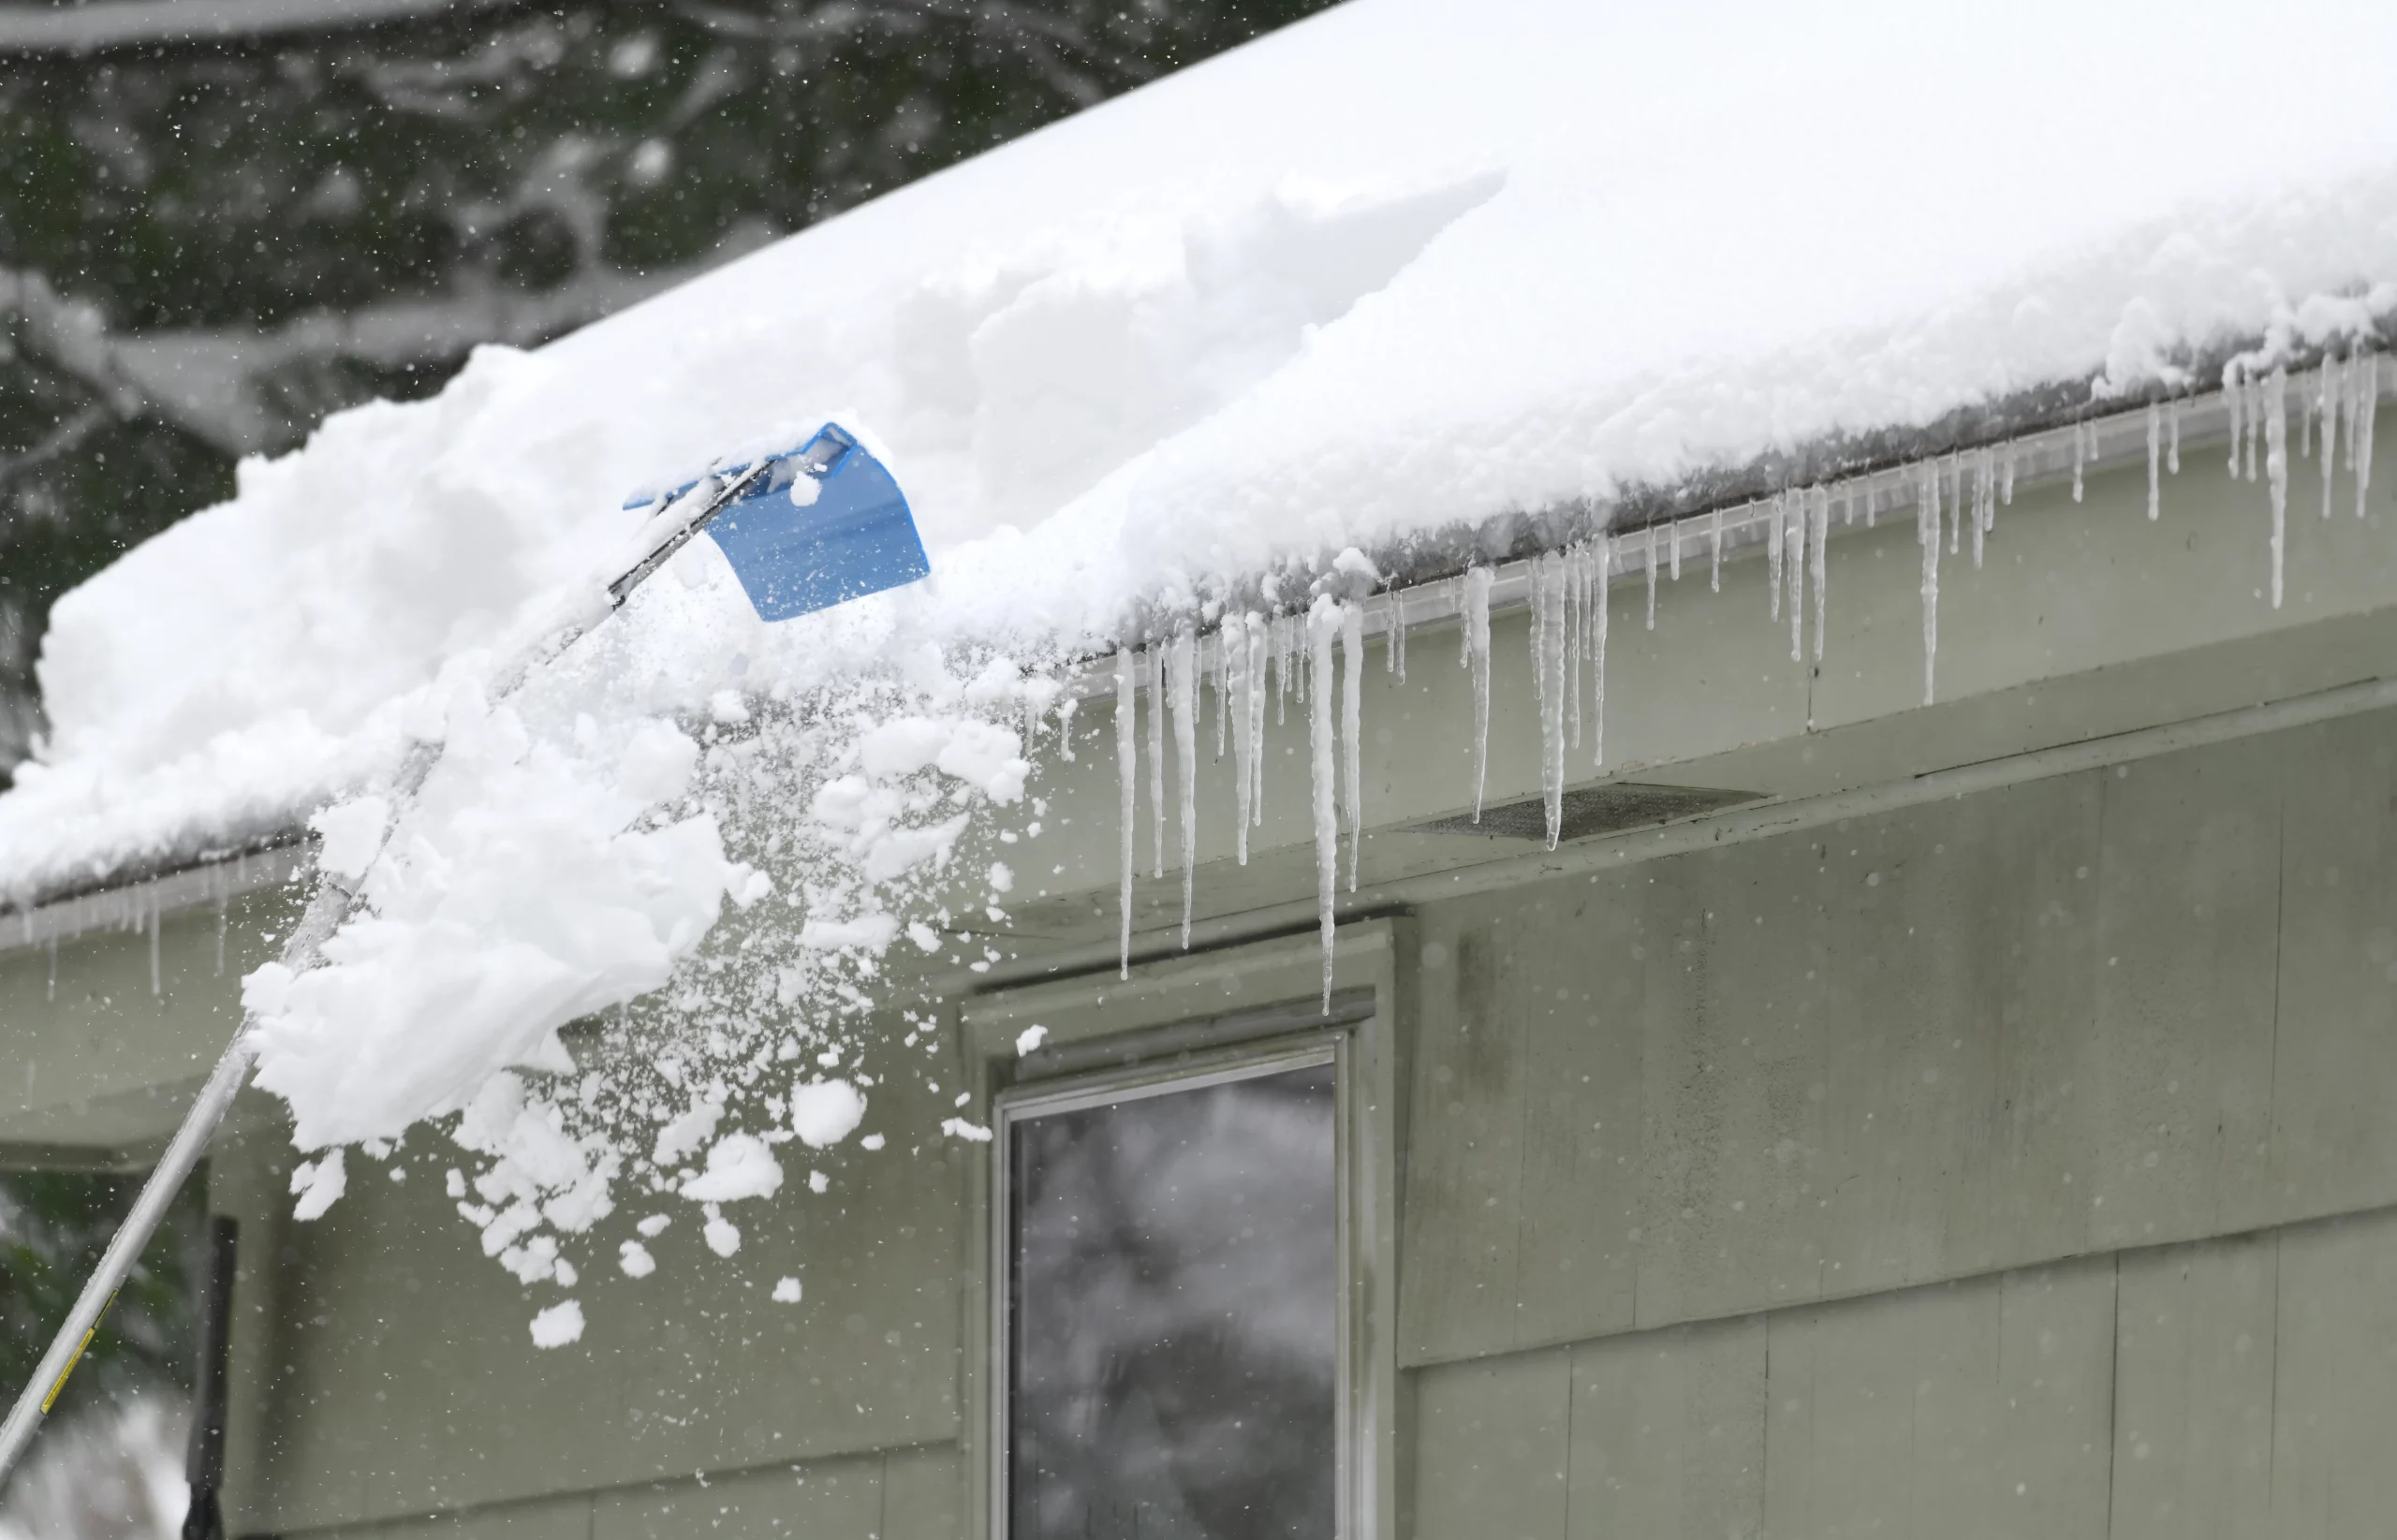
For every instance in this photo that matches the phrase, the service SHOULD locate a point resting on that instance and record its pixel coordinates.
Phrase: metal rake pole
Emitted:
(304, 949)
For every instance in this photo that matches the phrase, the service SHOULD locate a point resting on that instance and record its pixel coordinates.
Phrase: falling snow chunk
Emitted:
(634, 1261)
(786, 1291)
(722, 1235)
(825, 1112)
(559, 1325)
(739, 1166)
(319, 1184)
(958, 1128)
(1030, 1039)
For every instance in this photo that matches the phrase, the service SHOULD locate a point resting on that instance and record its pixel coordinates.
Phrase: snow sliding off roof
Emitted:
(1382, 274)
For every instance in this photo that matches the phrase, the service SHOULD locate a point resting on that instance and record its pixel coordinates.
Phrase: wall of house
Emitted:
(2019, 1165)
(2014, 1165)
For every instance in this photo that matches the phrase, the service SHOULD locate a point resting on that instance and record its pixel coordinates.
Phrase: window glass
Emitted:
(1174, 1314)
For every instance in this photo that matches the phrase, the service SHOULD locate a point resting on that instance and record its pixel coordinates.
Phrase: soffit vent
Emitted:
(1591, 810)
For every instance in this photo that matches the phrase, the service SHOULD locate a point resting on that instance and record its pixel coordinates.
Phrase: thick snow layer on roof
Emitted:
(1389, 269)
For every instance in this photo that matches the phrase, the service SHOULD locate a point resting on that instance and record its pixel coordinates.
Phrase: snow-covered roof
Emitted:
(1391, 270)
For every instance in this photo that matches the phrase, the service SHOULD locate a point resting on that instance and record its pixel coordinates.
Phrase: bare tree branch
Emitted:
(215, 383)
(62, 439)
(128, 23)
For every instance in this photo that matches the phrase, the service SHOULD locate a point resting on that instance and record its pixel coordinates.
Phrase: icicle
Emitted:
(1260, 634)
(2079, 457)
(51, 993)
(2235, 402)
(2255, 422)
(2366, 375)
(1282, 629)
(1984, 503)
(1248, 717)
(1715, 574)
(2305, 428)
(1322, 621)
(1183, 696)
(1398, 633)
(1955, 504)
(1128, 779)
(1577, 608)
(1652, 577)
(1352, 729)
(1156, 762)
(2354, 393)
(1390, 638)
(2155, 463)
(2006, 477)
(1477, 648)
(2173, 438)
(1872, 504)
(1673, 532)
(1927, 531)
(1776, 515)
(1821, 536)
(2327, 393)
(2275, 414)
(1601, 588)
(157, 985)
(1065, 709)
(1223, 695)
(220, 935)
(1794, 561)
(1547, 676)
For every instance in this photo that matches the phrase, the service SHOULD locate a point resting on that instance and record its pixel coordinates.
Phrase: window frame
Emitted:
(1145, 1081)
(1178, 1024)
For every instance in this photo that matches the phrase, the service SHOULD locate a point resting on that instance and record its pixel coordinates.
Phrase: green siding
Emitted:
(2045, 1022)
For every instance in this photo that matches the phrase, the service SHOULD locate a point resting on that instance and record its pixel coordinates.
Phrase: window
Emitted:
(1183, 1279)
(1172, 1292)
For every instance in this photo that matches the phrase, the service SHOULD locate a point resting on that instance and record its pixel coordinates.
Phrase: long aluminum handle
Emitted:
(326, 908)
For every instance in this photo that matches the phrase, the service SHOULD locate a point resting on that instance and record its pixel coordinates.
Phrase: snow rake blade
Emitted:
(804, 530)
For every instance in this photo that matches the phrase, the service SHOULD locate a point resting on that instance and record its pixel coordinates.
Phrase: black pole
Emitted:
(204, 1463)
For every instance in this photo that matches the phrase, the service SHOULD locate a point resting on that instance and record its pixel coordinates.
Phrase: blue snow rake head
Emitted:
(814, 526)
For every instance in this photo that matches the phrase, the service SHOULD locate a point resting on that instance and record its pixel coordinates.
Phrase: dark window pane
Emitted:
(1174, 1308)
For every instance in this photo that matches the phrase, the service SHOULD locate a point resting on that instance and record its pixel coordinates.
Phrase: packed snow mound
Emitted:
(1374, 273)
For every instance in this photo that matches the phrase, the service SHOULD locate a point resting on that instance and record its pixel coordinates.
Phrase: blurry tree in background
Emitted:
(222, 219)
(53, 1226)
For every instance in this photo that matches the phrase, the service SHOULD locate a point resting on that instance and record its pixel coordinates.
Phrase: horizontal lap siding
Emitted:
(2242, 1389)
(2118, 1008)
(2020, 1166)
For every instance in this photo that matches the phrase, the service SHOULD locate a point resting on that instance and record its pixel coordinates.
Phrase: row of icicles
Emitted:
(1259, 660)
